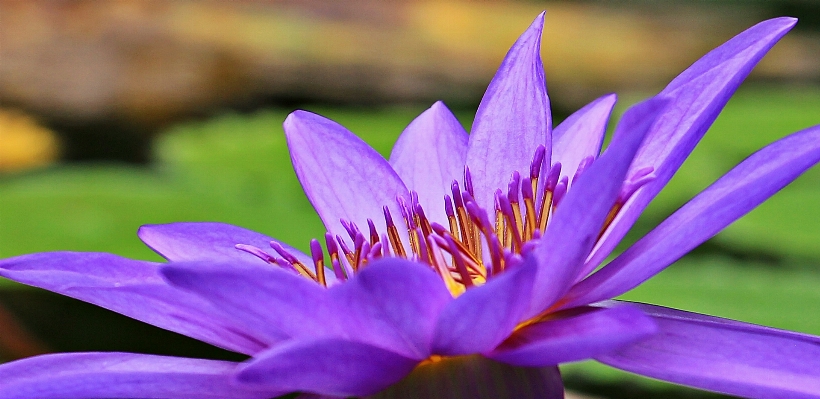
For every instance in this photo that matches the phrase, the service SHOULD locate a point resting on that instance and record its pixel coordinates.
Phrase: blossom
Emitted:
(471, 255)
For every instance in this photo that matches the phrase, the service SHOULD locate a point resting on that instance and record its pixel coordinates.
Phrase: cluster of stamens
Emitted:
(467, 252)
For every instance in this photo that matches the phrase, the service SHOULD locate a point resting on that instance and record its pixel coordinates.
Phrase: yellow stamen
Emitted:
(544, 215)
(440, 266)
(468, 257)
(610, 217)
(320, 272)
(453, 225)
(512, 231)
(463, 250)
(519, 224)
(534, 182)
(476, 240)
(414, 241)
(463, 225)
(357, 256)
(303, 270)
(529, 227)
(499, 228)
(395, 241)
(349, 257)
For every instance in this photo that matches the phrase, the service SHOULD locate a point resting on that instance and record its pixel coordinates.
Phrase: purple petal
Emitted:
(273, 303)
(476, 377)
(133, 288)
(732, 196)
(699, 94)
(326, 366)
(392, 303)
(580, 217)
(191, 241)
(121, 375)
(513, 118)
(579, 334)
(724, 355)
(581, 135)
(429, 155)
(482, 317)
(342, 176)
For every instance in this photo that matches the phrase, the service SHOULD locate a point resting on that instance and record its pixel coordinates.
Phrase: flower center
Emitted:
(468, 251)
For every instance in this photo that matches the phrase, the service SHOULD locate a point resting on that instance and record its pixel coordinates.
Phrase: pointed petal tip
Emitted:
(776, 26)
(537, 25)
(290, 121)
(146, 229)
(784, 22)
(438, 107)
(143, 229)
(298, 117)
(295, 114)
(607, 99)
(148, 232)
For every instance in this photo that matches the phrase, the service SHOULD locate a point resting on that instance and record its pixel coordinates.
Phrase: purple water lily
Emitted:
(465, 266)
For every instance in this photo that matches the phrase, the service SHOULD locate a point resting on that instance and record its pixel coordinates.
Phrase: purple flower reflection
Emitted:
(465, 266)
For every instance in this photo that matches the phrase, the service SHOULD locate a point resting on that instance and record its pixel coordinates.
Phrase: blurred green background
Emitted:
(114, 115)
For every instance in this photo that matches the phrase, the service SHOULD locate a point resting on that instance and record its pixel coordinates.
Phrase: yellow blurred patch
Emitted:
(24, 144)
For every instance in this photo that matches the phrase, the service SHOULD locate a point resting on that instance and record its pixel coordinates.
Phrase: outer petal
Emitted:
(699, 94)
(326, 366)
(724, 356)
(513, 118)
(211, 241)
(482, 317)
(429, 155)
(121, 375)
(392, 303)
(581, 134)
(274, 303)
(581, 214)
(581, 334)
(342, 176)
(133, 288)
(476, 377)
(733, 195)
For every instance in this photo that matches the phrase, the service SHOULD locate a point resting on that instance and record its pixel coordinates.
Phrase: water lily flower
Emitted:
(465, 266)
